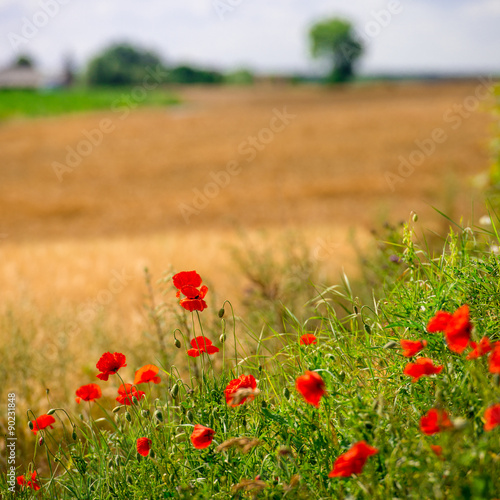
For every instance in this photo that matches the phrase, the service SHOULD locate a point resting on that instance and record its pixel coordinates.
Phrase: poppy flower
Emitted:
(308, 339)
(492, 417)
(42, 422)
(143, 446)
(421, 367)
(484, 347)
(148, 373)
(438, 450)
(109, 364)
(89, 392)
(435, 421)
(495, 358)
(188, 284)
(127, 392)
(353, 461)
(202, 436)
(33, 483)
(412, 347)
(240, 390)
(456, 327)
(201, 344)
(312, 387)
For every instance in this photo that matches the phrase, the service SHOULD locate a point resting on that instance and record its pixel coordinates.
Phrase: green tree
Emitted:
(121, 64)
(335, 41)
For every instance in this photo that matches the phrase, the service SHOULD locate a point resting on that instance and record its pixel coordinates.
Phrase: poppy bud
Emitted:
(189, 415)
(81, 417)
(159, 415)
(74, 436)
(415, 217)
(174, 391)
(116, 409)
(177, 343)
(135, 400)
(40, 441)
(128, 417)
(222, 338)
(151, 453)
(51, 411)
(286, 393)
(30, 425)
(221, 313)
(390, 345)
(368, 329)
(145, 413)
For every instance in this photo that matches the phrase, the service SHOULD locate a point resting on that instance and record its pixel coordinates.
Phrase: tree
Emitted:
(335, 40)
(121, 65)
(24, 61)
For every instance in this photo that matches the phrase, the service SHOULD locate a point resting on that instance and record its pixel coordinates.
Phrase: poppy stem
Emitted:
(234, 336)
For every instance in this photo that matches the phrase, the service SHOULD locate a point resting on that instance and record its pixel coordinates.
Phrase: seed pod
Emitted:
(174, 391)
(128, 417)
(221, 313)
(177, 343)
(51, 411)
(159, 415)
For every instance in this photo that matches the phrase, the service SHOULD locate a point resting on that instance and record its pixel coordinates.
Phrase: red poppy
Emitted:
(188, 284)
(33, 483)
(421, 367)
(484, 347)
(353, 461)
(495, 358)
(456, 327)
(42, 422)
(201, 344)
(312, 387)
(412, 347)
(143, 446)
(127, 392)
(435, 421)
(109, 364)
(148, 373)
(308, 339)
(202, 436)
(240, 389)
(438, 450)
(89, 392)
(492, 417)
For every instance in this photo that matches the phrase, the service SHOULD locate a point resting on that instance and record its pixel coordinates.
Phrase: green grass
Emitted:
(369, 398)
(27, 103)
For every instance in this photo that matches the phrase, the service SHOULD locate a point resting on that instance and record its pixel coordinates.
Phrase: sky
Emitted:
(267, 36)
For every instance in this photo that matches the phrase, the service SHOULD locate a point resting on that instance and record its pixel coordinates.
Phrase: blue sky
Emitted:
(264, 35)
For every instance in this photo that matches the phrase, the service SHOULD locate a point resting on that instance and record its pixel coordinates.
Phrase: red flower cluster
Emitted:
(148, 373)
(127, 392)
(143, 446)
(188, 284)
(456, 328)
(89, 392)
(200, 345)
(421, 367)
(495, 358)
(412, 347)
(202, 436)
(32, 483)
(484, 347)
(308, 339)
(240, 390)
(109, 364)
(435, 421)
(42, 422)
(353, 461)
(311, 386)
(492, 417)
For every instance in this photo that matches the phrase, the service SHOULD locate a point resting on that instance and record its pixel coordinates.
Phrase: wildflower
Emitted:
(456, 328)
(89, 392)
(492, 417)
(201, 344)
(308, 339)
(33, 483)
(240, 390)
(311, 386)
(126, 392)
(42, 422)
(412, 347)
(188, 284)
(202, 436)
(148, 373)
(495, 358)
(143, 446)
(484, 347)
(421, 367)
(438, 450)
(109, 364)
(353, 461)
(435, 421)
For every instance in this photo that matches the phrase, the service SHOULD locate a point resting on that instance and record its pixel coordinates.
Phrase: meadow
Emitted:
(288, 238)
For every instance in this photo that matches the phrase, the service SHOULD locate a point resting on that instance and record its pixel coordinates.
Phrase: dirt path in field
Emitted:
(243, 157)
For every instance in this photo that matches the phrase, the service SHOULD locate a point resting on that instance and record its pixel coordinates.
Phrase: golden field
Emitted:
(75, 238)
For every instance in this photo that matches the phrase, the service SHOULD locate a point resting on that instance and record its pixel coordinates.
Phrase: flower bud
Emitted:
(177, 343)
(222, 338)
(174, 391)
(145, 413)
(415, 217)
(128, 417)
(135, 400)
(116, 409)
(159, 415)
(286, 393)
(40, 441)
(30, 425)
(221, 313)
(151, 453)
(51, 411)
(74, 436)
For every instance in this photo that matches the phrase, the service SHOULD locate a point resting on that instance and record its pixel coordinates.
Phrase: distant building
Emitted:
(20, 77)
